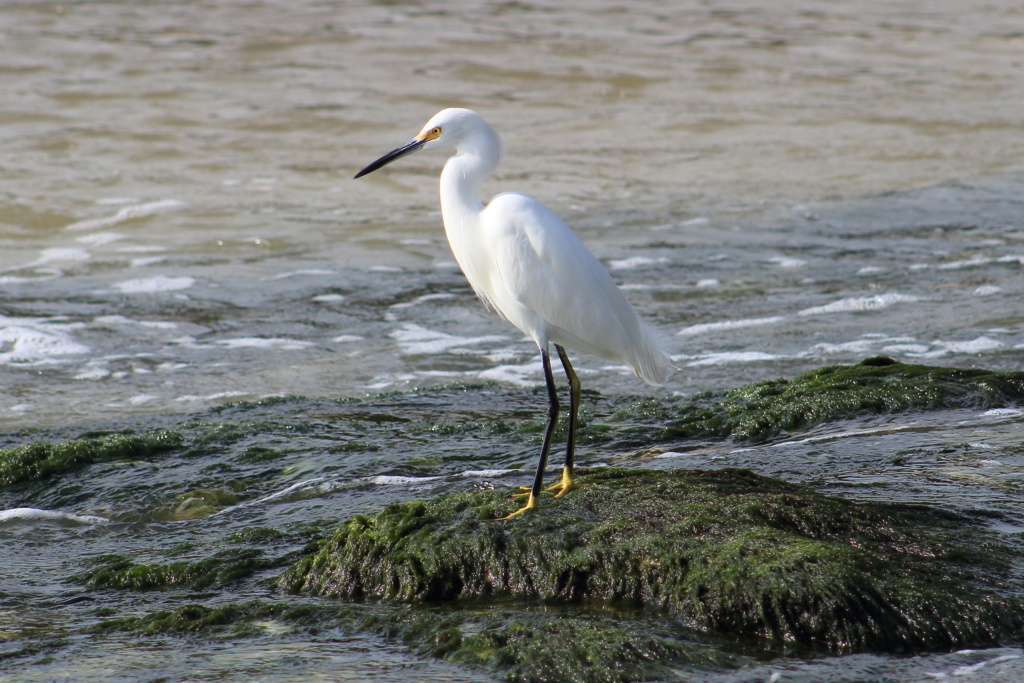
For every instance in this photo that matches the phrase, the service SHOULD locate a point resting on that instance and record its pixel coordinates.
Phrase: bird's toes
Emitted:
(531, 504)
(563, 489)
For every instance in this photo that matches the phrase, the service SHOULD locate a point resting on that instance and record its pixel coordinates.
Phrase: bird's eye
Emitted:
(435, 131)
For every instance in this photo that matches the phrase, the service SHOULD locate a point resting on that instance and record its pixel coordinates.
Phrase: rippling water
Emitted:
(781, 185)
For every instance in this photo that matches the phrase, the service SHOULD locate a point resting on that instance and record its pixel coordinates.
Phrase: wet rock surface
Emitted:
(888, 527)
(723, 551)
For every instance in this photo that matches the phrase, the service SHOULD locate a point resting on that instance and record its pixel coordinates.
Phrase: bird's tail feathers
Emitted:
(653, 363)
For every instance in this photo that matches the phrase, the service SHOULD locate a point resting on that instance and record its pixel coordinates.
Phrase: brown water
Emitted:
(179, 224)
(782, 184)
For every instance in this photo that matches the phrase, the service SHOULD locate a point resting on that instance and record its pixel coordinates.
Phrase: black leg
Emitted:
(534, 495)
(553, 408)
(574, 408)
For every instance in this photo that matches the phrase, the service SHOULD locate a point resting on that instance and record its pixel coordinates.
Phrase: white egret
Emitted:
(527, 266)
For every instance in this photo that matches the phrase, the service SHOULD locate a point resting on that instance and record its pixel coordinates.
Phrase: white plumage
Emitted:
(528, 266)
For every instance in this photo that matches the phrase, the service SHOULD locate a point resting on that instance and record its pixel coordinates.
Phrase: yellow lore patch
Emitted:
(431, 134)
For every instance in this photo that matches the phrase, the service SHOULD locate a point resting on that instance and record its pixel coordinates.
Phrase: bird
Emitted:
(527, 266)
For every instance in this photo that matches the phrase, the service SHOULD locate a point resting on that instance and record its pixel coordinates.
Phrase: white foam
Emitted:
(323, 486)
(422, 299)
(824, 438)
(502, 355)
(705, 328)
(140, 249)
(33, 340)
(521, 375)
(978, 345)
(384, 381)
(909, 349)
(859, 346)
(263, 343)
(670, 454)
(699, 220)
(730, 357)
(188, 398)
(635, 262)
(36, 515)
(417, 340)
(965, 263)
(483, 474)
(861, 303)
(971, 262)
(122, 320)
(384, 480)
(309, 484)
(143, 261)
(93, 370)
(298, 273)
(708, 283)
(787, 262)
(98, 239)
(986, 290)
(347, 338)
(56, 255)
(1003, 412)
(970, 670)
(129, 213)
(879, 343)
(151, 285)
(329, 298)
(117, 200)
(390, 315)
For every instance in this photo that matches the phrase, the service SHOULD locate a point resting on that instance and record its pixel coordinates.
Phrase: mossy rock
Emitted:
(36, 461)
(725, 551)
(223, 568)
(875, 386)
(524, 645)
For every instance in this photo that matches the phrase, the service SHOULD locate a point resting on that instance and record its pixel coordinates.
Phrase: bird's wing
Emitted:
(544, 267)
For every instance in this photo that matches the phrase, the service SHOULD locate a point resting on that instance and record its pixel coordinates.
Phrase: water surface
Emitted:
(783, 187)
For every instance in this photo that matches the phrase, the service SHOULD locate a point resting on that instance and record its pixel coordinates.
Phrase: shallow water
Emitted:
(305, 464)
(783, 187)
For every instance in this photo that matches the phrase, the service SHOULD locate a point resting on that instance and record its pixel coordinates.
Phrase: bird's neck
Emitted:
(460, 187)
(462, 177)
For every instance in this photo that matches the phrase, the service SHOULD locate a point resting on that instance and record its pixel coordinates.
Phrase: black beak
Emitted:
(407, 148)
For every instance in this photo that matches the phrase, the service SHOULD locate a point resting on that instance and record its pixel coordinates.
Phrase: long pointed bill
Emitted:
(407, 148)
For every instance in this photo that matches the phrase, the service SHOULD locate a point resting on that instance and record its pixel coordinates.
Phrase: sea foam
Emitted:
(36, 515)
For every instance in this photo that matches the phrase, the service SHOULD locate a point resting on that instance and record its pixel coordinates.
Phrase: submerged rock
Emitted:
(726, 552)
(526, 646)
(223, 568)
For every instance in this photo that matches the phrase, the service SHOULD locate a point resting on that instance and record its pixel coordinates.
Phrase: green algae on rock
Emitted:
(277, 432)
(524, 645)
(223, 568)
(879, 385)
(40, 460)
(726, 552)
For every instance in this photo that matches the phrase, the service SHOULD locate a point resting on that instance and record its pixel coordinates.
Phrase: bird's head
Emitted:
(447, 128)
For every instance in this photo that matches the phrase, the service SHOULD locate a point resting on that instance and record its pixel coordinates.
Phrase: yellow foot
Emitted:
(525, 492)
(531, 504)
(565, 485)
